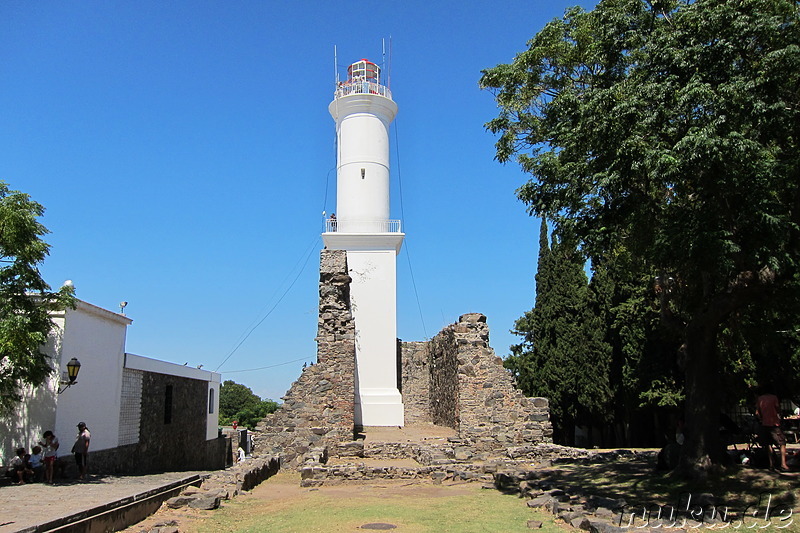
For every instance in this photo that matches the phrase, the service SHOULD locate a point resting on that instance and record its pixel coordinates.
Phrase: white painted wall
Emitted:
(374, 306)
(33, 416)
(96, 337)
(362, 124)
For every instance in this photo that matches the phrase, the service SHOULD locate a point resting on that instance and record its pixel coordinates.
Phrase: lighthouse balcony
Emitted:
(362, 87)
(362, 226)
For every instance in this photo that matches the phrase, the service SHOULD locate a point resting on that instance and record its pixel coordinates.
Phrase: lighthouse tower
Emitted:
(363, 109)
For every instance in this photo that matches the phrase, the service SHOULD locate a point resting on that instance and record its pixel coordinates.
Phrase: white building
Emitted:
(363, 110)
(113, 392)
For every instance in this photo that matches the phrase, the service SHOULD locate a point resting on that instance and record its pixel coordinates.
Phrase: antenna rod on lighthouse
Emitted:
(335, 68)
(389, 70)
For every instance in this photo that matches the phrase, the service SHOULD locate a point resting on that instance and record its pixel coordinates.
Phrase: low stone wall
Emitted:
(450, 461)
(226, 484)
(243, 476)
(137, 459)
(592, 512)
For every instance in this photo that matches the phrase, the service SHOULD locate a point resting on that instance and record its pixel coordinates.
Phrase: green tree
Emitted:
(522, 361)
(25, 298)
(645, 381)
(560, 358)
(238, 402)
(670, 127)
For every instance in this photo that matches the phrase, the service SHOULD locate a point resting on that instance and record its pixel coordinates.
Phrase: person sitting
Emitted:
(18, 467)
(36, 463)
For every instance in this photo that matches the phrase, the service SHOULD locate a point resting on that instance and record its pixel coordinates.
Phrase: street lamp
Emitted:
(73, 367)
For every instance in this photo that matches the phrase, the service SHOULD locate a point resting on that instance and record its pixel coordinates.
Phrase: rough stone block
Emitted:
(205, 502)
(179, 501)
(580, 522)
(542, 502)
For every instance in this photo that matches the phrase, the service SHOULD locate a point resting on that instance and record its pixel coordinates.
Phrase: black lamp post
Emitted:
(73, 367)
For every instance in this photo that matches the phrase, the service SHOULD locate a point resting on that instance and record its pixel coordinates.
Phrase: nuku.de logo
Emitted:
(694, 515)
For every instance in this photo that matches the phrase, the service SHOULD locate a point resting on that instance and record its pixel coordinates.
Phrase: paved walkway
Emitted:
(27, 506)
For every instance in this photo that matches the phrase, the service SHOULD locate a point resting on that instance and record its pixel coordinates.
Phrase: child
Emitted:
(50, 454)
(35, 463)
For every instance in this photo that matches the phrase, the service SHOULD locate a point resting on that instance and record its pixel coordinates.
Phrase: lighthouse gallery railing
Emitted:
(362, 226)
(362, 87)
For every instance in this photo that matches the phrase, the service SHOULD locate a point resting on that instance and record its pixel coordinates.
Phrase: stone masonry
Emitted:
(453, 380)
(456, 380)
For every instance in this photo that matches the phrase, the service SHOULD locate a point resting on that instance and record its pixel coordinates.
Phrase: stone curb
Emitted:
(226, 484)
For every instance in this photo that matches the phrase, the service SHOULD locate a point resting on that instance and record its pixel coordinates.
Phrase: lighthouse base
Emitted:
(379, 407)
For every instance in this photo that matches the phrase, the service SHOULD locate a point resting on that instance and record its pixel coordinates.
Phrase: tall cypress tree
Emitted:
(522, 361)
(554, 358)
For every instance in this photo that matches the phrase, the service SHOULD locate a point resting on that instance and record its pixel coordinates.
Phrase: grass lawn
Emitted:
(279, 505)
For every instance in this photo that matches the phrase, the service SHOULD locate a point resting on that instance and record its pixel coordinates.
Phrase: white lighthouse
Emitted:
(363, 109)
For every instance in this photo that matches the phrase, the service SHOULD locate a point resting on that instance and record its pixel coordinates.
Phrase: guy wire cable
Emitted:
(308, 256)
(265, 367)
(403, 216)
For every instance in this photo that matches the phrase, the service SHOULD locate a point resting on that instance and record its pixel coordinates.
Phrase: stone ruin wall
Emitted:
(415, 390)
(470, 390)
(453, 380)
(317, 411)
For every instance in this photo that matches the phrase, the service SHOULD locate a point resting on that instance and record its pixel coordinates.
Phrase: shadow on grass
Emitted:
(638, 483)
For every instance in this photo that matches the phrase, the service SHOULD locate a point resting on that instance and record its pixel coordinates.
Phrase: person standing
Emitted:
(81, 449)
(768, 411)
(50, 446)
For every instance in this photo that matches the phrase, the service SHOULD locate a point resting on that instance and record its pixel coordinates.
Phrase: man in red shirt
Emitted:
(768, 411)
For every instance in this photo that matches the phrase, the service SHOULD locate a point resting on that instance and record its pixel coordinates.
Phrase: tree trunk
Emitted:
(703, 445)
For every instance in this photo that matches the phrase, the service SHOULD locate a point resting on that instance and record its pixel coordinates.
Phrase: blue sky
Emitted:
(184, 154)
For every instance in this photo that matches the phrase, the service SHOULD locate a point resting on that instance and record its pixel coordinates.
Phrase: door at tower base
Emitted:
(373, 304)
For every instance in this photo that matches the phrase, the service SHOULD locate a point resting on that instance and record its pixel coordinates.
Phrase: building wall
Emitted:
(374, 309)
(118, 395)
(171, 433)
(212, 408)
(96, 337)
(415, 385)
(173, 423)
(443, 378)
(210, 415)
(32, 417)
